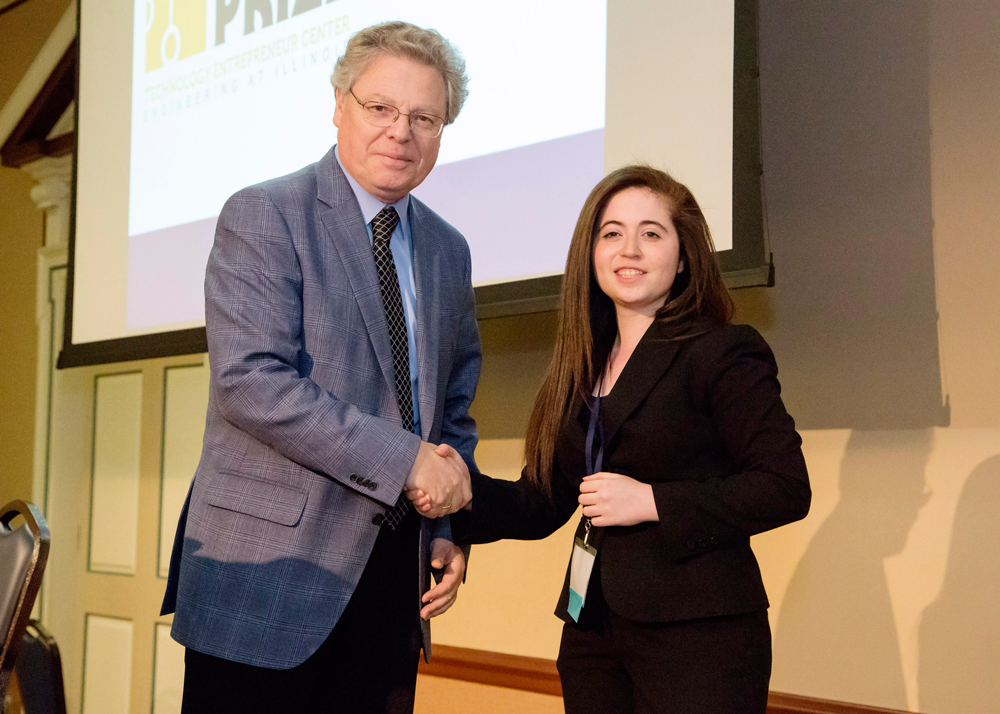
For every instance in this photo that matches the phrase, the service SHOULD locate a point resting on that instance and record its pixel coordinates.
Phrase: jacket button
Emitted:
(372, 485)
(702, 543)
(378, 519)
(354, 477)
(690, 545)
(713, 540)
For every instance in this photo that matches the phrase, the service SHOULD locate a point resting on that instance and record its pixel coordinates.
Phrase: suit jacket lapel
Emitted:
(346, 228)
(349, 236)
(427, 274)
(649, 362)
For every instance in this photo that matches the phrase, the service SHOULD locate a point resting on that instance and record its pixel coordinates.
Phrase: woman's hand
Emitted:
(615, 500)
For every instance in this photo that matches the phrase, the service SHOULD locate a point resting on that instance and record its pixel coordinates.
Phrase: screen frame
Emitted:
(749, 263)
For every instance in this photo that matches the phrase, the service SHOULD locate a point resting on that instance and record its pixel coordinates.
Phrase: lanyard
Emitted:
(595, 429)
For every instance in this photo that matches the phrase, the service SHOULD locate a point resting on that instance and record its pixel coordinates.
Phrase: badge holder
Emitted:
(582, 565)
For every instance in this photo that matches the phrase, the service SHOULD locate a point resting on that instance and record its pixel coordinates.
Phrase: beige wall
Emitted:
(23, 31)
(21, 234)
(880, 595)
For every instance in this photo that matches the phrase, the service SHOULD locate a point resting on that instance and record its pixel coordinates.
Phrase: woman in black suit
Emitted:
(675, 414)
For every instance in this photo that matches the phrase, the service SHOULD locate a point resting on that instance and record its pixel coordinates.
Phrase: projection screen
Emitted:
(183, 102)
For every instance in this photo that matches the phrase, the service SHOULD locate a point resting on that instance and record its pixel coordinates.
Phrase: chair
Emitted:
(39, 673)
(23, 553)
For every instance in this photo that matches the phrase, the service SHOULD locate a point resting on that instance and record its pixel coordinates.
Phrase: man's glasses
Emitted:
(380, 114)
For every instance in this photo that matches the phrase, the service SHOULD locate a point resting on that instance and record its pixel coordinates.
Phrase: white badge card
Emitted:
(581, 566)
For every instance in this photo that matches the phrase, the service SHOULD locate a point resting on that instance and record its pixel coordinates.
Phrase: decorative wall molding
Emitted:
(107, 663)
(54, 177)
(115, 473)
(168, 671)
(51, 193)
(185, 403)
(533, 674)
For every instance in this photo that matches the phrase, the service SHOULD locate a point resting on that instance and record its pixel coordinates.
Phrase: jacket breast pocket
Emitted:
(270, 501)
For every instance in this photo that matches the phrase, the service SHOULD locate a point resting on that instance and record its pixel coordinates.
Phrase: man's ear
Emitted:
(338, 109)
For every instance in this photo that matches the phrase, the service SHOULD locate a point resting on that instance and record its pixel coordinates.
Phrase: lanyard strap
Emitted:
(595, 430)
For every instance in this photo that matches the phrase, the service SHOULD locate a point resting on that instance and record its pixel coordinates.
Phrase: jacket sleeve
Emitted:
(254, 317)
(514, 509)
(770, 487)
(458, 428)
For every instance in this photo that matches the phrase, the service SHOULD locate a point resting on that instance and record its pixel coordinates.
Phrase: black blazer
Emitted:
(703, 422)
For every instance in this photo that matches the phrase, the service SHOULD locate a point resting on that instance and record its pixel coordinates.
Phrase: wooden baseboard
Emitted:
(779, 703)
(530, 674)
(533, 674)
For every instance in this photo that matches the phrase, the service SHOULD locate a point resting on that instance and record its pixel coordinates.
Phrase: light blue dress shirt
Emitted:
(401, 245)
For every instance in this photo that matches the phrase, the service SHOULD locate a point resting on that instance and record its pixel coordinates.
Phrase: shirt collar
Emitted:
(370, 206)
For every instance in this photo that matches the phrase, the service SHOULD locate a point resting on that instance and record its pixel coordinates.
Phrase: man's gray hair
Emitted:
(401, 39)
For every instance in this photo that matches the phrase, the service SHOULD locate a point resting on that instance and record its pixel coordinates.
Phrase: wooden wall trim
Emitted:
(530, 674)
(533, 674)
(29, 139)
(779, 703)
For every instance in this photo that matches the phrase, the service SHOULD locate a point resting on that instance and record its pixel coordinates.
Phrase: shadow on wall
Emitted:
(836, 636)
(845, 129)
(959, 639)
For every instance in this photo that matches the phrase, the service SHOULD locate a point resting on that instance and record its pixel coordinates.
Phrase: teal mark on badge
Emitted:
(575, 604)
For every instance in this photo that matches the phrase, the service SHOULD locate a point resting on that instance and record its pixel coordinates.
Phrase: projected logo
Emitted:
(175, 30)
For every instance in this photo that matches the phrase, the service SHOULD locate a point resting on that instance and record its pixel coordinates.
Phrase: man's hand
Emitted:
(450, 560)
(615, 500)
(424, 504)
(438, 483)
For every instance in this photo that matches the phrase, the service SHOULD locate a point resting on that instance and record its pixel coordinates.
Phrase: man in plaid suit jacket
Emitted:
(291, 591)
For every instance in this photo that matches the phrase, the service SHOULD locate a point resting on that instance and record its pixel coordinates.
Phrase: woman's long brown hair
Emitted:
(588, 324)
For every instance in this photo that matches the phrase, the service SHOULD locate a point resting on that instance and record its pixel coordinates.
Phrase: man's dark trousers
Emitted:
(368, 664)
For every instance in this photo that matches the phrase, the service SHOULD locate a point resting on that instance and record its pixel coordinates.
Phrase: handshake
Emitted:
(438, 483)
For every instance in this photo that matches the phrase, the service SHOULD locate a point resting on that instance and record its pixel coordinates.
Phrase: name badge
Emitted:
(581, 566)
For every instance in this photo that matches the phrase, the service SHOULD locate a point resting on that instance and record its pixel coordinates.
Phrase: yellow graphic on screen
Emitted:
(175, 29)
